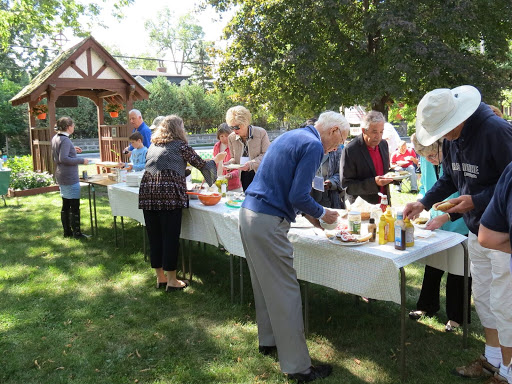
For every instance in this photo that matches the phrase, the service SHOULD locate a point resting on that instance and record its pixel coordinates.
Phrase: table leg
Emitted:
(306, 308)
(182, 248)
(144, 243)
(190, 249)
(122, 228)
(402, 324)
(115, 229)
(90, 208)
(95, 214)
(190, 263)
(465, 307)
(241, 280)
(231, 277)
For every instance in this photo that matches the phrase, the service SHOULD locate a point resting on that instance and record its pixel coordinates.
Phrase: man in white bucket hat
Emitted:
(477, 149)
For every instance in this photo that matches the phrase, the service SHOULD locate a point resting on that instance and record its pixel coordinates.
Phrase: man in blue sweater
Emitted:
(477, 149)
(279, 191)
(138, 126)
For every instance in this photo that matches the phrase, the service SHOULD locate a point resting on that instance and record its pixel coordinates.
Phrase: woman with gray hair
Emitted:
(451, 260)
(247, 144)
(162, 196)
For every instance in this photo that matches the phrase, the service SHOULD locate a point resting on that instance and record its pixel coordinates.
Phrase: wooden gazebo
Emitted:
(87, 70)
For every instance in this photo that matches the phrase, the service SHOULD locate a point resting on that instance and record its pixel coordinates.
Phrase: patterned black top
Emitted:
(163, 186)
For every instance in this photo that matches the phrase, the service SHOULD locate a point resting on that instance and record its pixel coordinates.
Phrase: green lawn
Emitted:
(88, 312)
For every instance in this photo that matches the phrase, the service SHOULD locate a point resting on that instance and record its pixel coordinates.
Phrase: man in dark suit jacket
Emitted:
(365, 160)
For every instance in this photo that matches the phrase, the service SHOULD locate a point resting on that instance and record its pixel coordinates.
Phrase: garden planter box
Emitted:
(33, 191)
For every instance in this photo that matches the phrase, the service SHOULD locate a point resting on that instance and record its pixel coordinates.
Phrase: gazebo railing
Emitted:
(113, 139)
(42, 149)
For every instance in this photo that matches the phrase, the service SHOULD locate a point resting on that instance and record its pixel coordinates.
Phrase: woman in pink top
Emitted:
(233, 176)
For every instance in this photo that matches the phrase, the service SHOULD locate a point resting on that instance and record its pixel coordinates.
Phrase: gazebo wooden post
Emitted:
(101, 121)
(51, 97)
(32, 123)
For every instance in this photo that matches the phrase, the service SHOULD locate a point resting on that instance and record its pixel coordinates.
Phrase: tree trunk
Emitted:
(381, 105)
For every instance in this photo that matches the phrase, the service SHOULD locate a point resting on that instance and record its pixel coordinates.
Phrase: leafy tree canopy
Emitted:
(39, 19)
(179, 36)
(305, 56)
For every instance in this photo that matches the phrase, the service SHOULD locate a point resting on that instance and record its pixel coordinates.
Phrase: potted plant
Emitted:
(40, 111)
(113, 109)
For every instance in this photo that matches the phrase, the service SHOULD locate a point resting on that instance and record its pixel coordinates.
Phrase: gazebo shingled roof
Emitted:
(88, 70)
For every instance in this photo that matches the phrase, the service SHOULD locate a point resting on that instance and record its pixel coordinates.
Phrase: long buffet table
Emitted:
(370, 270)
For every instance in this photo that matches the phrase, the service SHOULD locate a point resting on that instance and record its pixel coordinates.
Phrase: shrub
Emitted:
(23, 177)
(30, 179)
(19, 164)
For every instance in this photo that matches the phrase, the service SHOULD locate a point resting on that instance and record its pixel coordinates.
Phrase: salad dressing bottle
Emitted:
(372, 228)
(409, 233)
(399, 232)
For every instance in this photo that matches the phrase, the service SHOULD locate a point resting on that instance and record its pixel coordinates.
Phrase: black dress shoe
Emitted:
(417, 314)
(267, 349)
(316, 372)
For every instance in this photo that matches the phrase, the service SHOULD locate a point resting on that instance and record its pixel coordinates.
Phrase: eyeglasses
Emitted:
(235, 127)
(341, 135)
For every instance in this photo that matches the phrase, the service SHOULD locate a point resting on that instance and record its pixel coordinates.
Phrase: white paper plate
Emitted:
(348, 244)
(233, 166)
(108, 163)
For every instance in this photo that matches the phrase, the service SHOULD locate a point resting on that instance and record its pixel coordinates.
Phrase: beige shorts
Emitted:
(492, 288)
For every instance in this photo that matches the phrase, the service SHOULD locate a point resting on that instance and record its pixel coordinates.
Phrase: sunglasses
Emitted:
(235, 127)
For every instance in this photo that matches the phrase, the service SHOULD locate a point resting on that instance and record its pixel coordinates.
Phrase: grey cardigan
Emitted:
(66, 162)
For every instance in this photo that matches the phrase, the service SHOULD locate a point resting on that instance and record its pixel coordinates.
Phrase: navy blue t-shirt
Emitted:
(498, 214)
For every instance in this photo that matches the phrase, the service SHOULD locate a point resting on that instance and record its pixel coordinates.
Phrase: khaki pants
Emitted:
(276, 289)
(492, 288)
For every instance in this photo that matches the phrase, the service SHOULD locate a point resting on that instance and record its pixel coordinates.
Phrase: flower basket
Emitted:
(40, 111)
(113, 109)
(32, 191)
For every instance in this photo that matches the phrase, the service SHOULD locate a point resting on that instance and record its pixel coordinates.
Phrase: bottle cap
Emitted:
(372, 220)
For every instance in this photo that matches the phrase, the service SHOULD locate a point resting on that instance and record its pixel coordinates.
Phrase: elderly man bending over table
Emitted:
(279, 191)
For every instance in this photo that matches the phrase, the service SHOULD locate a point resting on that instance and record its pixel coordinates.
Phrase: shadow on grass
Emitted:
(88, 312)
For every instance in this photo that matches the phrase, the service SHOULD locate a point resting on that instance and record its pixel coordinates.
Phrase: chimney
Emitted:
(161, 69)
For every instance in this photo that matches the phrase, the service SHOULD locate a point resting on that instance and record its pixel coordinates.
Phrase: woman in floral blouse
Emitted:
(162, 195)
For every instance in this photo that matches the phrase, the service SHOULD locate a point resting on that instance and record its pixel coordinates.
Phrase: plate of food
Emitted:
(347, 239)
(402, 163)
(233, 166)
(348, 244)
(397, 175)
(420, 222)
(234, 203)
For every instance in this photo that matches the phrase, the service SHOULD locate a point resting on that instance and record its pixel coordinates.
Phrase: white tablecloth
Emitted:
(370, 270)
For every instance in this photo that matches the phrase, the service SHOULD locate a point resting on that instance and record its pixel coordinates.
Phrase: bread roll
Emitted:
(364, 238)
(443, 206)
(420, 220)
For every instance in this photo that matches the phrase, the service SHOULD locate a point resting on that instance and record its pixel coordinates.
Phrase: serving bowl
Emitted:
(210, 199)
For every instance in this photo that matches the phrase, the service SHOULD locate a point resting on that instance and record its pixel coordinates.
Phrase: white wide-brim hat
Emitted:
(442, 110)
